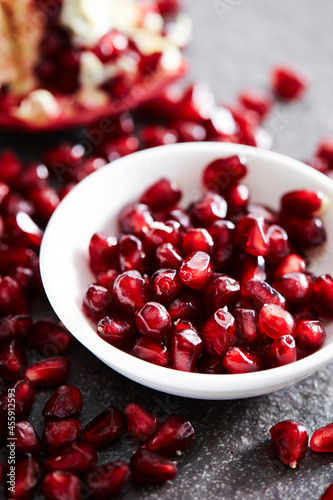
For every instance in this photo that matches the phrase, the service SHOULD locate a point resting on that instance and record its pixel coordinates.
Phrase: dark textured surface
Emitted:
(235, 43)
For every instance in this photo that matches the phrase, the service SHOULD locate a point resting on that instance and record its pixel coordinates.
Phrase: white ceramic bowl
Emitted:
(94, 205)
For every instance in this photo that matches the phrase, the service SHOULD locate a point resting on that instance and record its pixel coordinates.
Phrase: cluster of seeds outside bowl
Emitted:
(95, 205)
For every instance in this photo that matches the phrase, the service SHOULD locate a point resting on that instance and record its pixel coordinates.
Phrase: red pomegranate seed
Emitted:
(325, 151)
(48, 372)
(61, 485)
(323, 295)
(108, 479)
(310, 335)
(103, 252)
(282, 351)
(63, 158)
(96, 301)
(14, 327)
(250, 236)
(77, 457)
(10, 167)
(222, 232)
(13, 360)
(291, 441)
(295, 287)
(259, 101)
(165, 285)
(219, 333)
(167, 257)
(59, 434)
(24, 277)
(322, 439)
(107, 278)
(162, 232)
(186, 347)
(304, 203)
(130, 291)
(163, 195)
(152, 350)
(118, 329)
(24, 394)
(288, 83)
(141, 424)
(248, 332)
(196, 270)
(306, 311)
(248, 267)
(14, 257)
(27, 474)
(188, 131)
(237, 198)
(210, 208)
(304, 233)
(255, 293)
(221, 291)
(65, 402)
(106, 427)
(157, 135)
(168, 6)
(153, 319)
(12, 298)
(131, 254)
(50, 338)
(293, 263)
(328, 493)
(238, 360)
(278, 245)
(34, 174)
(187, 306)
(27, 440)
(223, 173)
(196, 104)
(45, 200)
(135, 218)
(110, 46)
(197, 239)
(211, 364)
(149, 468)
(22, 231)
(275, 321)
(117, 147)
(175, 434)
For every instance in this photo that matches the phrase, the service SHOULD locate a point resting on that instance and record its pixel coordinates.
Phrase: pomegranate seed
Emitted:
(168, 6)
(162, 232)
(322, 439)
(323, 295)
(268, 214)
(237, 198)
(188, 131)
(111, 46)
(196, 104)
(197, 239)
(282, 351)
(118, 147)
(118, 329)
(223, 173)
(106, 427)
(149, 468)
(130, 291)
(167, 256)
(187, 306)
(63, 158)
(135, 218)
(97, 301)
(179, 215)
(152, 350)
(86, 168)
(14, 257)
(174, 434)
(50, 338)
(77, 457)
(107, 278)
(304, 203)
(210, 208)
(153, 319)
(12, 298)
(21, 230)
(27, 474)
(196, 270)
(325, 151)
(45, 200)
(222, 232)
(275, 321)
(59, 434)
(27, 440)
(13, 360)
(165, 285)
(65, 402)
(34, 174)
(287, 83)
(259, 101)
(14, 327)
(157, 135)
(103, 252)
(10, 167)
(248, 332)
(164, 105)
(219, 333)
(250, 235)
(108, 479)
(255, 293)
(24, 394)
(48, 372)
(237, 360)
(141, 424)
(295, 287)
(163, 195)
(131, 254)
(61, 485)
(302, 311)
(211, 364)
(291, 441)
(304, 233)
(278, 245)
(328, 493)
(248, 267)
(221, 125)
(222, 291)
(310, 335)
(24, 277)
(186, 347)
(293, 263)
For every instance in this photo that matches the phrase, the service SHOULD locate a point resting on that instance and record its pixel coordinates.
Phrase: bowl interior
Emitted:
(94, 204)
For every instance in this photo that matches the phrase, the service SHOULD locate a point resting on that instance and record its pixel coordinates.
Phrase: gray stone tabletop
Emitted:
(235, 43)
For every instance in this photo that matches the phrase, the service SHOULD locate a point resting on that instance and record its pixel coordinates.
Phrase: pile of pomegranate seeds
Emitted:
(214, 287)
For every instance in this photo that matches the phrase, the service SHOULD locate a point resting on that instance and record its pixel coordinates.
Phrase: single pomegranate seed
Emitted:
(135, 218)
(50, 338)
(130, 291)
(141, 424)
(27, 474)
(13, 360)
(10, 167)
(222, 232)
(291, 441)
(188, 131)
(323, 295)
(65, 402)
(111, 46)
(48, 372)
(186, 347)
(310, 335)
(237, 198)
(175, 434)
(163, 195)
(103, 252)
(211, 364)
(304, 203)
(12, 298)
(197, 239)
(196, 104)
(131, 254)
(45, 200)
(325, 151)
(15, 257)
(187, 306)
(27, 440)
(219, 333)
(248, 332)
(248, 267)
(168, 6)
(304, 233)
(220, 292)
(117, 147)
(157, 135)
(181, 216)
(295, 287)
(293, 263)
(259, 101)
(24, 277)
(162, 232)
(282, 351)
(275, 321)
(328, 493)
(167, 257)
(107, 426)
(287, 83)
(77, 457)
(196, 270)
(14, 327)
(108, 479)
(152, 350)
(149, 468)
(24, 395)
(153, 319)
(255, 293)
(22, 231)
(223, 173)
(57, 435)
(61, 485)
(165, 285)
(96, 301)
(63, 158)
(250, 236)
(278, 245)
(118, 329)
(107, 278)
(238, 360)
(210, 208)
(322, 439)
(34, 174)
